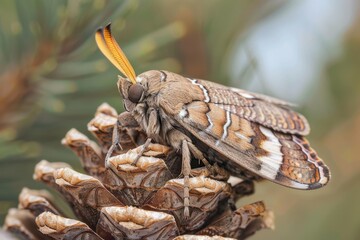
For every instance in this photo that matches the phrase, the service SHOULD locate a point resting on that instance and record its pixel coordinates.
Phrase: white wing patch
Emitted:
(271, 163)
(183, 113)
(273, 147)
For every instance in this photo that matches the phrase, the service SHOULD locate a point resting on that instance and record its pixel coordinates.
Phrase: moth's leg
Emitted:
(152, 129)
(216, 171)
(180, 141)
(143, 148)
(186, 168)
(115, 141)
(153, 124)
(131, 127)
(198, 155)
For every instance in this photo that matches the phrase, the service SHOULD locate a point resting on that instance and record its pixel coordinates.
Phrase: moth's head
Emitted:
(146, 84)
(132, 93)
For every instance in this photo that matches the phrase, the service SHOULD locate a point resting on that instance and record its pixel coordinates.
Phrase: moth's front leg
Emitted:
(115, 142)
(143, 148)
(152, 126)
(126, 132)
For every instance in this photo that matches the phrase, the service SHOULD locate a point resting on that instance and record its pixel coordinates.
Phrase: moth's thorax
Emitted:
(151, 80)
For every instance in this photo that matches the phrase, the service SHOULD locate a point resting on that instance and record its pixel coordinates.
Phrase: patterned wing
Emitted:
(267, 111)
(280, 157)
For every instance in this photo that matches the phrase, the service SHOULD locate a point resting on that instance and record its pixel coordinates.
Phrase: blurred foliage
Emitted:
(53, 77)
(48, 73)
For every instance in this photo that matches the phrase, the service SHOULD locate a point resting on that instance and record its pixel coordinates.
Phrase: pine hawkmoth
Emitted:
(249, 134)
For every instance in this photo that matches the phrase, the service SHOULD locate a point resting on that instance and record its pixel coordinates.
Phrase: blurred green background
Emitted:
(52, 78)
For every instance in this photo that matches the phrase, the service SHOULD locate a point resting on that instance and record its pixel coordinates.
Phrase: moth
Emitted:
(251, 135)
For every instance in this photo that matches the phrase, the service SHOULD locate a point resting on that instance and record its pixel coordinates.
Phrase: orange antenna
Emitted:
(112, 51)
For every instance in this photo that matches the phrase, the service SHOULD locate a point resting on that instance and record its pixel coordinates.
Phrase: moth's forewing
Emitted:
(246, 133)
(267, 111)
(291, 163)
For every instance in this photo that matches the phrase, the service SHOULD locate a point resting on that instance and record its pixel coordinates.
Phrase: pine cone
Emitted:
(127, 201)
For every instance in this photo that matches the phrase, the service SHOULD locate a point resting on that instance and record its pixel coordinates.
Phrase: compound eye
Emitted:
(135, 93)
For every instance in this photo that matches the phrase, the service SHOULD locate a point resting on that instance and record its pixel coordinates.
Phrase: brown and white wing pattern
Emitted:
(267, 111)
(238, 127)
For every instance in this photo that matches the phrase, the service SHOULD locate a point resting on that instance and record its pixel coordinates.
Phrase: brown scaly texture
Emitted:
(247, 134)
(126, 201)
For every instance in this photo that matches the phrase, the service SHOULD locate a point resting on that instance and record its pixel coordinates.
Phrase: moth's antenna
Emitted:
(112, 51)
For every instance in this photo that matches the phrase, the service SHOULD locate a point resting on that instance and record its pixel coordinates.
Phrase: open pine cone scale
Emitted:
(126, 201)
